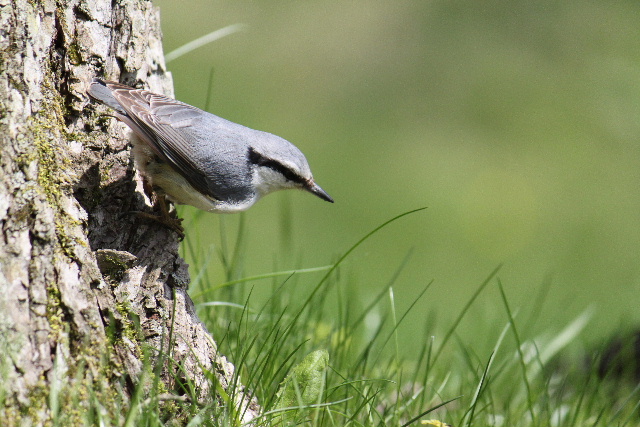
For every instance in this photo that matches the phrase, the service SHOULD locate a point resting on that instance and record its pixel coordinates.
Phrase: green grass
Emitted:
(318, 351)
(506, 376)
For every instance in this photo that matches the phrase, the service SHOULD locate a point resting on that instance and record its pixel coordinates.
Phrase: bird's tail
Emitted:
(101, 92)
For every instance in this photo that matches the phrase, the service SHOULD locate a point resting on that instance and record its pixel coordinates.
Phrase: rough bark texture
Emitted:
(87, 290)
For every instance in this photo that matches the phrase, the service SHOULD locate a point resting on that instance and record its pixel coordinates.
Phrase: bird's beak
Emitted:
(314, 188)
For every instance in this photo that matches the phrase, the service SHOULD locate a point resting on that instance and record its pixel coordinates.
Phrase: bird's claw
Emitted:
(169, 222)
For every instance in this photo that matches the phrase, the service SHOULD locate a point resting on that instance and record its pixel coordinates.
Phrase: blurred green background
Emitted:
(516, 123)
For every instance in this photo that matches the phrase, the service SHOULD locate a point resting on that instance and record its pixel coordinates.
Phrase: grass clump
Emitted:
(508, 376)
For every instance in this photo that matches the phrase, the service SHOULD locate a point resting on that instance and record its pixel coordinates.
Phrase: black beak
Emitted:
(314, 188)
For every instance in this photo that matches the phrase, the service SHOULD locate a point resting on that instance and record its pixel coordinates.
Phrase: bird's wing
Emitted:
(161, 121)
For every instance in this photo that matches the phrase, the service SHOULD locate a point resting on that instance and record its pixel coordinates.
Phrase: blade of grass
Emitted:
(202, 270)
(394, 320)
(422, 414)
(260, 277)
(396, 323)
(343, 257)
(464, 311)
(207, 100)
(624, 405)
(352, 327)
(523, 364)
(480, 388)
(538, 303)
(568, 334)
(201, 41)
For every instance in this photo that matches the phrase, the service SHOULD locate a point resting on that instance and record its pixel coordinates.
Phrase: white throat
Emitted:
(267, 180)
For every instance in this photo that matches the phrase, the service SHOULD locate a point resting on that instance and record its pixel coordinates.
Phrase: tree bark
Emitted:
(92, 298)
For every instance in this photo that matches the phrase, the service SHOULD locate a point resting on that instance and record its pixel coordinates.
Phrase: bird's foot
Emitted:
(174, 224)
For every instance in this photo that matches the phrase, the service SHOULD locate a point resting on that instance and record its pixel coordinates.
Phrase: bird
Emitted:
(193, 157)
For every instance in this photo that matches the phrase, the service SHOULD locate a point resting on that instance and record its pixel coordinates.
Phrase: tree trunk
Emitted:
(92, 298)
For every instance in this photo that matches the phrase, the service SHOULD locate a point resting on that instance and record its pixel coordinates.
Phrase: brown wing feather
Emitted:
(165, 140)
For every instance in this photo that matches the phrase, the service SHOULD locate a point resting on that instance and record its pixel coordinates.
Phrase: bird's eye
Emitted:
(260, 160)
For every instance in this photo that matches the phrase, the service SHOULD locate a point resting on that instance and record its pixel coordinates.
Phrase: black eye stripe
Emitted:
(260, 160)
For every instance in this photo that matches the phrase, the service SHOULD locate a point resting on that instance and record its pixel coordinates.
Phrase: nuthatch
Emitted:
(196, 158)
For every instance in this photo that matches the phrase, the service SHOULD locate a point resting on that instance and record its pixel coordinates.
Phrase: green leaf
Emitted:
(304, 386)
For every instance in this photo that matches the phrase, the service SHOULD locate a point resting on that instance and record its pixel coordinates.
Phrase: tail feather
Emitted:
(99, 91)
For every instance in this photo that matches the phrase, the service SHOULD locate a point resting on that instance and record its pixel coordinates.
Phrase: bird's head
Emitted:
(277, 164)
